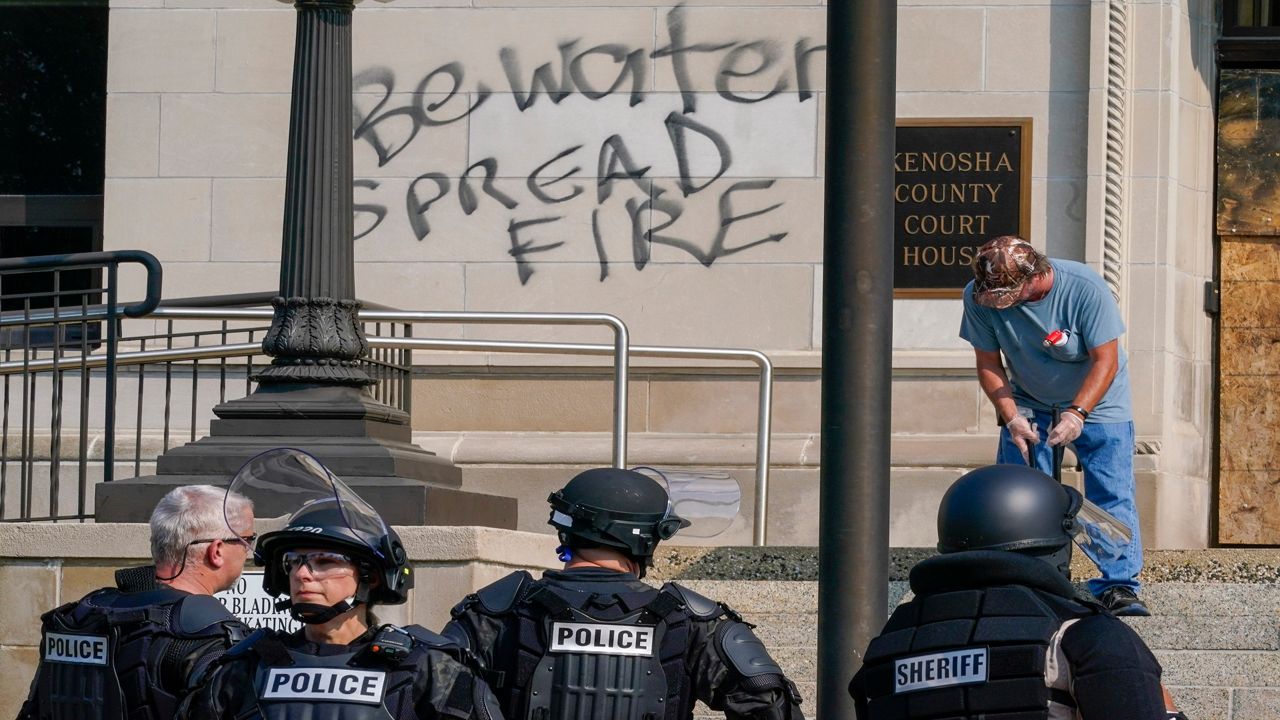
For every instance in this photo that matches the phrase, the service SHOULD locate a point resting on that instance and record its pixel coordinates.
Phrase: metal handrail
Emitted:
(763, 418)
(110, 258)
(621, 340)
(764, 421)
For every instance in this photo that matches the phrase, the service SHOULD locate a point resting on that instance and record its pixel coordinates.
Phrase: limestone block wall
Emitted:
(664, 162)
(1163, 211)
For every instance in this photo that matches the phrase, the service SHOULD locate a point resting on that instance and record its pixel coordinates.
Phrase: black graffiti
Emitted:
(537, 186)
(652, 210)
(418, 114)
(445, 96)
(417, 207)
(389, 130)
(678, 127)
(520, 249)
(379, 212)
(467, 196)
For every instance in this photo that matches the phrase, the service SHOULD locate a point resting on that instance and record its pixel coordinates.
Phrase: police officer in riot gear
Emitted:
(592, 640)
(995, 628)
(128, 651)
(333, 562)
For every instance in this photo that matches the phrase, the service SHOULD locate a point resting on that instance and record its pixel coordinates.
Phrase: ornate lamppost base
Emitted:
(368, 444)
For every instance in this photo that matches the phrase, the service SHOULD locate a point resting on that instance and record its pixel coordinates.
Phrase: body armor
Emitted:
(125, 655)
(569, 663)
(374, 680)
(589, 665)
(973, 653)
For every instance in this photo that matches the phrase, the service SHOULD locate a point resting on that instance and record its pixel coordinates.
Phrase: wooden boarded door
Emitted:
(1248, 229)
(1249, 392)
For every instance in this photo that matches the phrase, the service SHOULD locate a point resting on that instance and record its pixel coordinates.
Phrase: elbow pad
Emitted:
(742, 651)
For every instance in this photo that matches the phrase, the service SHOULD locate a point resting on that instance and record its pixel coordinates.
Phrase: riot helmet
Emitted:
(326, 515)
(615, 508)
(1020, 509)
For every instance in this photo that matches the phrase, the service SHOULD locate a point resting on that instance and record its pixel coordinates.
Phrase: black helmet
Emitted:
(322, 523)
(331, 517)
(1009, 507)
(616, 508)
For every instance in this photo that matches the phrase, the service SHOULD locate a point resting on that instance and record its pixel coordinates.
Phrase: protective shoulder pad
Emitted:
(246, 645)
(744, 652)
(430, 639)
(199, 612)
(499, 597)
(700, 607)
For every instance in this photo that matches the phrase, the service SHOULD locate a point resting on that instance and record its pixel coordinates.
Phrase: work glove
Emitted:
(1023, 436)
(1066, 429)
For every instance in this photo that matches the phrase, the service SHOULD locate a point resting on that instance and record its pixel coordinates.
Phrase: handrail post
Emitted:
(764, 434)
(109, 432)
(621, 380)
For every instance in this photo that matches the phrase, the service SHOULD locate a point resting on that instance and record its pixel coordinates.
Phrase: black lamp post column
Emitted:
(314, 396)
(315, 336)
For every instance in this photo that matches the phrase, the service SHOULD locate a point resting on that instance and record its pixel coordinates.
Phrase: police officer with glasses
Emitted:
(129, 651)
(996, 630)
(333, 562)
(594, 641)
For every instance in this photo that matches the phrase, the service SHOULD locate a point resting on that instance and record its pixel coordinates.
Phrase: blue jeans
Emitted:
(1106, 452)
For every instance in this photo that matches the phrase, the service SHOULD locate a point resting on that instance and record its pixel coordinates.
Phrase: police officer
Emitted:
(995, 628)
(592, 640)
(334, 561)
(128, 651)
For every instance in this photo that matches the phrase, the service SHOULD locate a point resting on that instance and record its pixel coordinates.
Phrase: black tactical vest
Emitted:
(570, 664)
(356, 684)
(967, 654)
(113, 655)
(330, 688)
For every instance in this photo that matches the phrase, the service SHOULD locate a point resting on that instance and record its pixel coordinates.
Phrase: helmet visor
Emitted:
(706, 500)
(285, 481)
(1100, 535)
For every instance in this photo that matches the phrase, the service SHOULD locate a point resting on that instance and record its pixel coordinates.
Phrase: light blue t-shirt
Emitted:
(1079, 304)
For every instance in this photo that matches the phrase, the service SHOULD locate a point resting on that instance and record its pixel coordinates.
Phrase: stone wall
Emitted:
(511, 155)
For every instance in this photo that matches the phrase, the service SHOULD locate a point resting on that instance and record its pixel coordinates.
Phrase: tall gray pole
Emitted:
(314, 336)
(857, 342)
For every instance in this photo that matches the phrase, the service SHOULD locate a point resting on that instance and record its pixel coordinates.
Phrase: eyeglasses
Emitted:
(250, 541)
(322, 565)
(247, 541)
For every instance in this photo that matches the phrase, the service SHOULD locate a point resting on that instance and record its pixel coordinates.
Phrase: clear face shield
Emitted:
(1098, 533)
(285, 482)
(707, 500)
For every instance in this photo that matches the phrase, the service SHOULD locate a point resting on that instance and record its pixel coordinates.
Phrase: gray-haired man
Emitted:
(129, 651)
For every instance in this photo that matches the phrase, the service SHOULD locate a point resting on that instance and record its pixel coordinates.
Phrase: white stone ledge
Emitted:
(131, 542)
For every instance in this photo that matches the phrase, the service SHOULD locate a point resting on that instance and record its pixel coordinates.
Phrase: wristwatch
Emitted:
(1084, 414)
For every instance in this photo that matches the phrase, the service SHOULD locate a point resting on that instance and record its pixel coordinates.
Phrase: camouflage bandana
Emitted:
(1001, 268)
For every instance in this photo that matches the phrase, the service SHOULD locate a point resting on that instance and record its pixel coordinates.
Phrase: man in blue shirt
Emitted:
(1058, 328)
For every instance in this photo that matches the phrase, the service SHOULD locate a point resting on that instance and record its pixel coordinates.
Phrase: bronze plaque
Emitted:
(958, 183)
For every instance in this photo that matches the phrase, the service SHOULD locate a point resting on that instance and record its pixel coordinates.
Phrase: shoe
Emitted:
(1122, 601)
